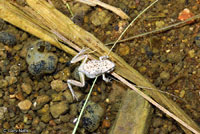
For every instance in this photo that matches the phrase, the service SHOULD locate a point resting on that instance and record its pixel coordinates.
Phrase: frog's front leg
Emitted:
(76, 83)
(104, 78)
(80, 56)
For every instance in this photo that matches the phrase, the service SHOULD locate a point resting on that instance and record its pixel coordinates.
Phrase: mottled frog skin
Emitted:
(95, 68)
(90, 69)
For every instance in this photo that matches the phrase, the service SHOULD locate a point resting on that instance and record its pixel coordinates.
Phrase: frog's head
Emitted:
(110, 66)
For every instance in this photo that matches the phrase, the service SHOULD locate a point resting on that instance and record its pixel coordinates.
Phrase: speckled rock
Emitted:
(92, 115)
(58, 109)
(41, 61)
(7, 38)
(25, 104)
(2, 112)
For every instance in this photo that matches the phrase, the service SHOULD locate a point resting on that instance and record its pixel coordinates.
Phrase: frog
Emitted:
(90, 69)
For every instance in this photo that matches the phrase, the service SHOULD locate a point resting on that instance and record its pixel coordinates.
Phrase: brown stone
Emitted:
(25, 105)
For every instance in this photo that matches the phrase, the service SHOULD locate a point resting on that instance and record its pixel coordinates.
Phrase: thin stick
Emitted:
(159, 91)
(117, 11)
(131, 24)
(155, 103)
(157, 30)
(68, 7)
(83, 108)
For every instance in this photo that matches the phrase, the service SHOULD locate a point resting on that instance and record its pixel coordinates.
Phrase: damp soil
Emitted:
(169, 59)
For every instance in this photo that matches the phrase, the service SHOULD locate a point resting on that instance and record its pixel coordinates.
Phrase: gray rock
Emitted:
(197, 40)
(92, 115)
(41, 61)
(7, 38)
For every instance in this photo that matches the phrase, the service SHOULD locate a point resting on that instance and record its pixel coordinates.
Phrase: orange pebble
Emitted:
(52, 123)
(106, 123)
(185, 14)
(94, 93)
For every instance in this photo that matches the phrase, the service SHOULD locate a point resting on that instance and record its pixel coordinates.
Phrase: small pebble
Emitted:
(58, 85)
(52, 123)
(42, 100)
(58, 109)
(159, 24)
(73, 109)
(185, 14)
(191, 53)
(19, 96)
(27, 88)
(43, 110)
(3, 83)
(6, 125)
(142, 69)
(197, 40)
(14, 70)
(68, 96)
(1, 93)
(3, 110)
(57, 96)
(46, 117)
(182, 93)
(164, 75)
(157, 122)
(65, 118)
(100, 17)
(123, 49)
(11, 79)
(175, 57)
(7, 38)
(25, 104)
(106, 123)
